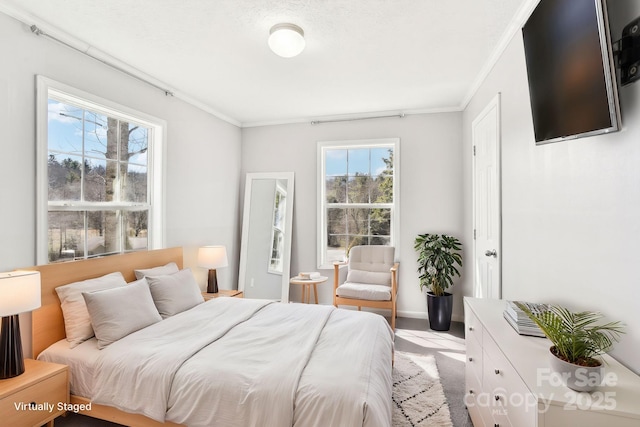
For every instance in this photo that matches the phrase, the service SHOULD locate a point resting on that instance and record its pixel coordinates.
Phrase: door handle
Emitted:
(492, 253)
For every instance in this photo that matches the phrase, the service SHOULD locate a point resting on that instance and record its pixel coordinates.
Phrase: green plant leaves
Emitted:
(578, 337)
(438, 255)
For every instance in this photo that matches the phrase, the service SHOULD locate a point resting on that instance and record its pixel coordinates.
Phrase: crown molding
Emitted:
(514, 28)
(115, 63)
(351, 116)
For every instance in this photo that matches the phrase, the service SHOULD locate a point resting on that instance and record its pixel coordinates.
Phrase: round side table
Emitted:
(306, 286)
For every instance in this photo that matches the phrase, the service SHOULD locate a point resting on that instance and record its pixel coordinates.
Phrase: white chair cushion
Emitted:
(372, 277)
(364, 291)
(371, 264)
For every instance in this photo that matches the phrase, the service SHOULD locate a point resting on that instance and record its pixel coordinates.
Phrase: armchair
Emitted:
(371, 279)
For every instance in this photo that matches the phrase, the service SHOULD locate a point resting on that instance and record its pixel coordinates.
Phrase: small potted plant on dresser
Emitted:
(438, 255)
(579, 339)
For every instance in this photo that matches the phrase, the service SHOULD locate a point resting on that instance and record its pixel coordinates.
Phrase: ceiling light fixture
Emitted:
(286, 40)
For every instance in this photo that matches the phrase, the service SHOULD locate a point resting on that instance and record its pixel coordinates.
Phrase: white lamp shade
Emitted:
(19, 292)
(286, 40)
(212, 257)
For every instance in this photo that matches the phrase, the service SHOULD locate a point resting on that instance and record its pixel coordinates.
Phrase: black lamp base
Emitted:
(212, 283)
(11, 360)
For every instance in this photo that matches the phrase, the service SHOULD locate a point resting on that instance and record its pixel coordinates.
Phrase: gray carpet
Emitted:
(412, 336)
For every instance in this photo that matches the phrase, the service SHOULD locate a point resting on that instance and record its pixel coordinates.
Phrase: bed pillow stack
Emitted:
(77, 321)
(116, 313)
(110, 309)
(169, 268)
(174, 293)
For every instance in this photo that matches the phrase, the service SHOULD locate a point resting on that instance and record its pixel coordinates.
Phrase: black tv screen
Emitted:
(572, 82)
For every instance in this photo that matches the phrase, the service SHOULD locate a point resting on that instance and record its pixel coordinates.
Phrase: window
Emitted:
(358, 196)
(277, 229)
(99, 190)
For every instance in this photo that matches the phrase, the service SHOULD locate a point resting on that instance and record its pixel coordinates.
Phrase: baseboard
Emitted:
(424, 315)
(406, 313)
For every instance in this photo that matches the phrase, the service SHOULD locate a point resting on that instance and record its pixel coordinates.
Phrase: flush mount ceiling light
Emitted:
(286, 40)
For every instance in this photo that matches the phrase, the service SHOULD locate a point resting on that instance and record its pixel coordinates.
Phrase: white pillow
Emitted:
(369, 277)
(175, 293)
(77, 322)
(169, 268)
(115, 313)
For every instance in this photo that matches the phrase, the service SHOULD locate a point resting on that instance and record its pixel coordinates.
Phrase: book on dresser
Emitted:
(519, 320)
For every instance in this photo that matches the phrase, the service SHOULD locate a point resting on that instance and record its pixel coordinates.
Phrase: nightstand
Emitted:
(223, 293)
(36, 397)
(306, 286)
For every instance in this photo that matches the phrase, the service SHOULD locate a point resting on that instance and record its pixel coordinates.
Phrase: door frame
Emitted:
(495, 102)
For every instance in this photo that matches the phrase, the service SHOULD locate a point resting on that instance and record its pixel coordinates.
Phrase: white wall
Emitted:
(430, 193)
(571, 210)
(203, 152)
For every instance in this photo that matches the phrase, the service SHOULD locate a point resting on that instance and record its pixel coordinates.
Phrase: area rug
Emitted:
(418, 397)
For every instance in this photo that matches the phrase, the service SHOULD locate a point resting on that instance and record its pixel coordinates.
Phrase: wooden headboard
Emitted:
(47, 321)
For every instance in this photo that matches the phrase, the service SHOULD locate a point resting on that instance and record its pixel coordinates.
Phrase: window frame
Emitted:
(322, 148)
(46, 89)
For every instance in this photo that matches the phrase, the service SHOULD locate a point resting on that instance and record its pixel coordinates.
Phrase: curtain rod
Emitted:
(319, 122)
(38, 32)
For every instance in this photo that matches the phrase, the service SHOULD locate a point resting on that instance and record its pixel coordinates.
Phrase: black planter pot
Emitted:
(439, 309)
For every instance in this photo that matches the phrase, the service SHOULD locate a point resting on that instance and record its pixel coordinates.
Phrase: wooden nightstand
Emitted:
(223, 293)
(36, 397)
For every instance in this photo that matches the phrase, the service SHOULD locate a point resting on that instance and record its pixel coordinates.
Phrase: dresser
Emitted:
(509, 382)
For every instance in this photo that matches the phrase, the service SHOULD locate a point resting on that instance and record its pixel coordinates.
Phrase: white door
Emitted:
(486, 202)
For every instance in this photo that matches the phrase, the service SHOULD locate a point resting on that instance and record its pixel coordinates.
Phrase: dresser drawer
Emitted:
(507, 389)
(36, 404)
(474, 400)
(473, 362)
(472, 328)
(559, 416)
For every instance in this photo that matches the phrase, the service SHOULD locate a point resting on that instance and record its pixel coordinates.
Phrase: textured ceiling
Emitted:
(361, 56)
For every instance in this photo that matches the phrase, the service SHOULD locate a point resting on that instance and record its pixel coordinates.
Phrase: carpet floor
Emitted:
(418, 397)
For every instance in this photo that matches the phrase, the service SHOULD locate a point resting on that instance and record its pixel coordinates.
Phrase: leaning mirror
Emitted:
(265, 250)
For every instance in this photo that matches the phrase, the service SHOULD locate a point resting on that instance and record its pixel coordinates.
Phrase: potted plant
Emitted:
(438, 255)
(579, 339)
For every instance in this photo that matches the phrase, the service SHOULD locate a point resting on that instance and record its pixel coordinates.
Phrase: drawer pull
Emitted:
(497, 371)
(497, 398)
(470, 391)
(471, 359)
(471, 328)
(496, 425)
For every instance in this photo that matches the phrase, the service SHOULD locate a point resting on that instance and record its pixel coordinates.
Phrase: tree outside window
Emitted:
(358, 201)
(97, 169)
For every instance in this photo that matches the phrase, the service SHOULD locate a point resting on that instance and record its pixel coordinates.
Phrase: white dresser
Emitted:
(509, 381)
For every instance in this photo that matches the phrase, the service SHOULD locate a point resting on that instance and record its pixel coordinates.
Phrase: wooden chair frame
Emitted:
(388, 305)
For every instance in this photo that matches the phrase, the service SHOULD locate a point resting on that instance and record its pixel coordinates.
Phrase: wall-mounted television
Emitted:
(572, 83)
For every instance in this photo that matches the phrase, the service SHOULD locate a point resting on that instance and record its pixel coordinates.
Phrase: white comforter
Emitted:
(232, 362)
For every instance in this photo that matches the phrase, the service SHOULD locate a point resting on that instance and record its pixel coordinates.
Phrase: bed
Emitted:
(227, 361)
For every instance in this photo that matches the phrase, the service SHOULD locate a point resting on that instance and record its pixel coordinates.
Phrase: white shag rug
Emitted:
(418, 397)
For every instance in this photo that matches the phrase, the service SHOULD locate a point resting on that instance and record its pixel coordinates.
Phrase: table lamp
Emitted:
(19, 292)
(212, 257)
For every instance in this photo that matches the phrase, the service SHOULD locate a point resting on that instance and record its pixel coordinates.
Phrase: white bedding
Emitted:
(81, 361)
(241, 362)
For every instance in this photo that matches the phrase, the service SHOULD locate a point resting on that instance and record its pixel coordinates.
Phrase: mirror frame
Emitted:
(286, 267)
